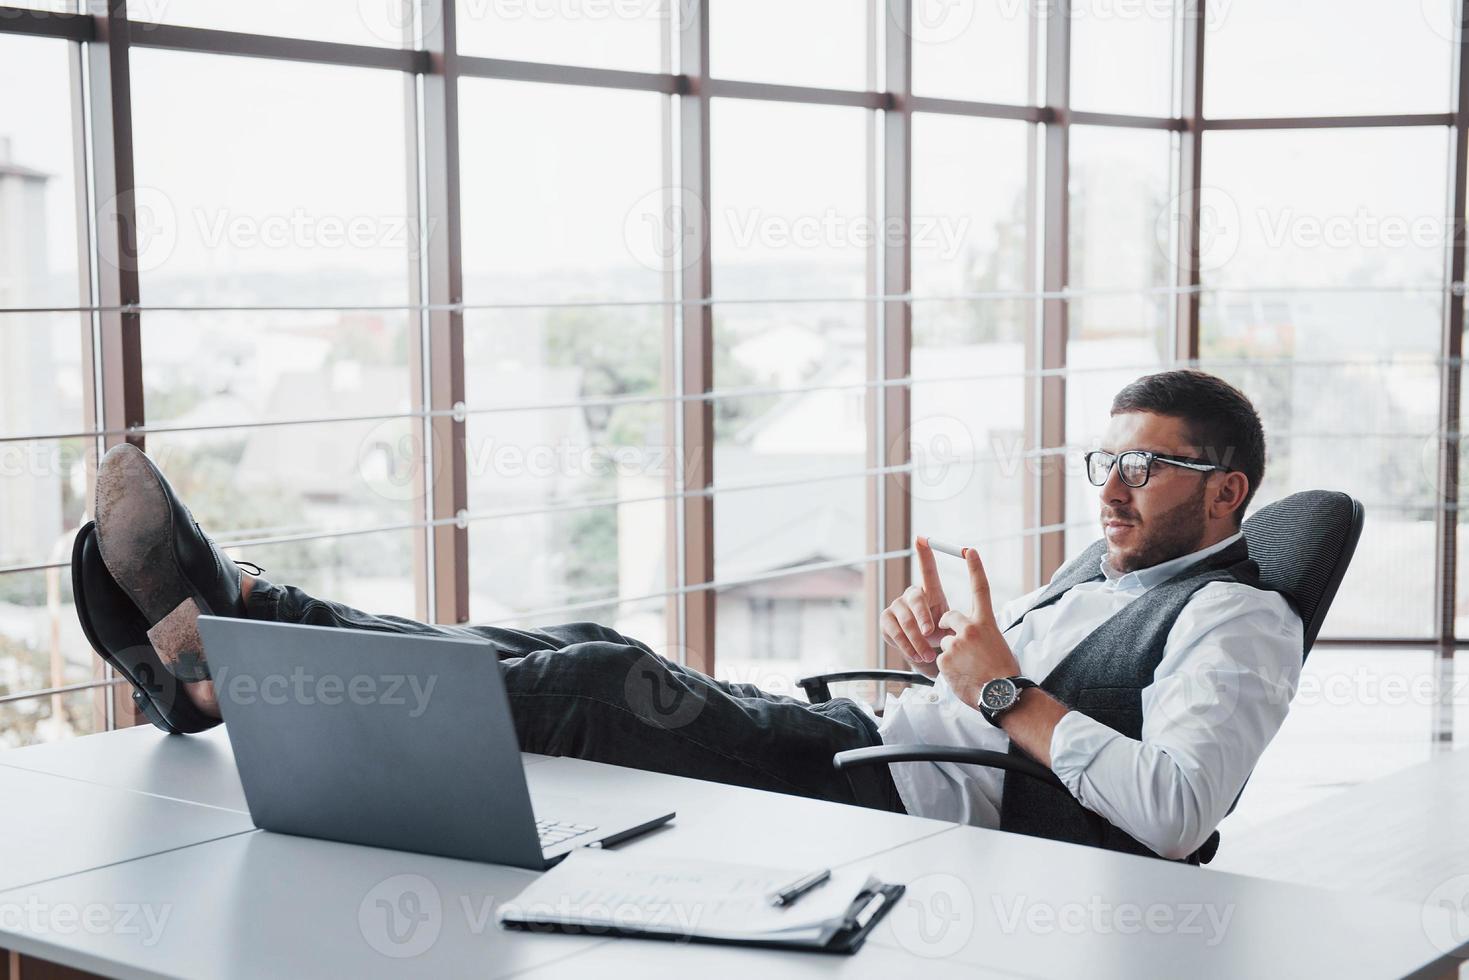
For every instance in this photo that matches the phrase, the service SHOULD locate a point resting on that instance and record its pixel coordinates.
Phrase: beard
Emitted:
(1171, 534)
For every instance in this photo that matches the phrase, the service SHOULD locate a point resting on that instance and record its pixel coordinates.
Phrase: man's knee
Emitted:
(592, 668)
(572, 634)
(616, 675)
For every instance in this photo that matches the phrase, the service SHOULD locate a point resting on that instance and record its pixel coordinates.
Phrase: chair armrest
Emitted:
(947, 753)
(817, 687)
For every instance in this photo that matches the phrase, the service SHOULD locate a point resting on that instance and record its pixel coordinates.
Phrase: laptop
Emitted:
(392, 740)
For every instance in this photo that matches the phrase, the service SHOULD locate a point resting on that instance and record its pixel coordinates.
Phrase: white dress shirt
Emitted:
(1230, 666)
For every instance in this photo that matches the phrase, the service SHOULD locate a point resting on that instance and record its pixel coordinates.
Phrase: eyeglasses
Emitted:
(1136, 465)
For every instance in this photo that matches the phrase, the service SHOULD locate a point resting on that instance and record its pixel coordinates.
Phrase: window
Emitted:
(1336, 207)
(1122, 57)
(1121, 268)
(376, 22)
(1329, 57)
(259, 199)
(918, 309)
(1332, 235)
(561, 217)
(633, 35)
(44, 398)
(970, 443)
(1459, 719)
(42, 352)
(791, 238)
(266, 182)
(571, 462)
(767, 41)
(37, 163)
(974, 50)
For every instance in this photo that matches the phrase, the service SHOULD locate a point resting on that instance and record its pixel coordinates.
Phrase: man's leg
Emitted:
(578, 690)
(287, 604)
(614, 702)
(585, 690)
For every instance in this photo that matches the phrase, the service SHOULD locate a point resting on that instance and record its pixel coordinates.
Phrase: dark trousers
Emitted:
(587, 691)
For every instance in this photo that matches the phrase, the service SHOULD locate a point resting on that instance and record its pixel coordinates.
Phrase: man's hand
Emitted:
(911, 623)
(975, 651)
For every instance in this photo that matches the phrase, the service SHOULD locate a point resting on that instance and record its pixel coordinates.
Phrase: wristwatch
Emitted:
(1000, 695)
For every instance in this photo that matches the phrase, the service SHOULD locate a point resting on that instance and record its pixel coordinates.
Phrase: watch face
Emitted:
(998, 694)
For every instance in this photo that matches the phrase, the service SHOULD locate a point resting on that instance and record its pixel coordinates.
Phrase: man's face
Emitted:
(1163, 519)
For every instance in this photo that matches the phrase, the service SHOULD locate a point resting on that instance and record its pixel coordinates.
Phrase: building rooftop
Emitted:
(9, 169)
(23, 173)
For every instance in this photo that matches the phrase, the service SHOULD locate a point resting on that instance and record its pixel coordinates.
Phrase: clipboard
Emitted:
(844, 941)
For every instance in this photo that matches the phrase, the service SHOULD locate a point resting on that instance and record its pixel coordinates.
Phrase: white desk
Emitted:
(268, 905)
(1056, 910)
(49, 826)
(196, 768)
(262, 904)
(630, 959)
(751, 825)
(1404, 836)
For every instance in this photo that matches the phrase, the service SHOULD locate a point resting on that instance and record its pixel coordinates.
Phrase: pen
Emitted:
(946, 548)
(799, 887)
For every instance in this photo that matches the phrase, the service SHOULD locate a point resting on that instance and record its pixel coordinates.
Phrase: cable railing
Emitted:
(991, 295)
(463, 411)
(608, 601)
(47, 692)
(268, 536)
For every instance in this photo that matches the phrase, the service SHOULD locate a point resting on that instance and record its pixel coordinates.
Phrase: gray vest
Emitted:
(1103, 677)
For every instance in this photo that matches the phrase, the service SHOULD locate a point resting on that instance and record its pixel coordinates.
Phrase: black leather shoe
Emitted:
(166, 564)
(119, 633)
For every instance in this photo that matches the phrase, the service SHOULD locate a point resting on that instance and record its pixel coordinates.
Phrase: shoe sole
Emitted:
(136, 542)
(158, 696)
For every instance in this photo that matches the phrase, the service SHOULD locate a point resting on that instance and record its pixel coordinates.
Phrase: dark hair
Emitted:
(1220, 420)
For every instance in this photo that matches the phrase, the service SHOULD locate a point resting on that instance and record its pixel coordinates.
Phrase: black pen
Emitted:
(799, 887)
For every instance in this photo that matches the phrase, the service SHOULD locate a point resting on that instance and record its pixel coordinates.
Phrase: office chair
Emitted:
(1302, 544)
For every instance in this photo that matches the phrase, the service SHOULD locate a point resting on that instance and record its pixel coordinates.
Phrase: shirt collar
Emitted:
(1146, 578)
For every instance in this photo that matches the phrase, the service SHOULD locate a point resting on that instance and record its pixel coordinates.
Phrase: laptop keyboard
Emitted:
(554, 832)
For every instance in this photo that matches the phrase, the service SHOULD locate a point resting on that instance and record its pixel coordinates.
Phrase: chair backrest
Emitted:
(1303, 545)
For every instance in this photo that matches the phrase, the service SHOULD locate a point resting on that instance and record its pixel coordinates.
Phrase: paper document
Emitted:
(709, 899)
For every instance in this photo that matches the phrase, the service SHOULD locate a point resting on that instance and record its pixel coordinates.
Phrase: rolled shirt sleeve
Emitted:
(1074, 744)
(1220, 692)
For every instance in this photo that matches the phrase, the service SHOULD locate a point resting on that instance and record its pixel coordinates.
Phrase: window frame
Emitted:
(431, 67)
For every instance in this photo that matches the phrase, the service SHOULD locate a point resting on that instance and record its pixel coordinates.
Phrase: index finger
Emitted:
(929, 568)
(980, 582)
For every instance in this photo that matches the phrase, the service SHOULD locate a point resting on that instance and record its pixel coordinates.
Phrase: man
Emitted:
(1149, 674)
